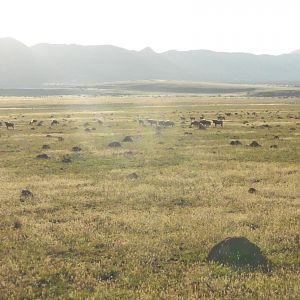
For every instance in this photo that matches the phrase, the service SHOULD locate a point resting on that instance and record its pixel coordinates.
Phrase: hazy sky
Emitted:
(257, 26)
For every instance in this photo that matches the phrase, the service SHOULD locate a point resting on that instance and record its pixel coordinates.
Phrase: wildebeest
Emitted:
(141, 122)
(54, 122)
(169, 123)
(195, 123)
(206, 123)
(221, 118)
(218, 122)
(161, 123)
(166, 123)
(199, 124)
(9, 124)
(152, 122)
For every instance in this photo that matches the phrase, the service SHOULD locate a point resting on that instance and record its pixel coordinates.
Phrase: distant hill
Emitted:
(18, 65)
(22, 66)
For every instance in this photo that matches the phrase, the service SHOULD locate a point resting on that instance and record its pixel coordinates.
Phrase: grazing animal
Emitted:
(141, 122)
(162, 123)
(192, 119)
(218, 122)
(182, 118)
(169, 123)
(195, 123)
(166, 123)
(221, 118)
(206, 123)
(152, 122)
(201, 127)
(9, 124)
(32, 121)
(54, 122)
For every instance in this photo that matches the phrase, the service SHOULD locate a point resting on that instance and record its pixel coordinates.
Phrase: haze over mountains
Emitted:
(23, 67)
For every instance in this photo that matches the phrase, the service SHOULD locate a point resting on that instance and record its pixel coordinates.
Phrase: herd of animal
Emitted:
(201, 124)
(32, 122)
(161, 123)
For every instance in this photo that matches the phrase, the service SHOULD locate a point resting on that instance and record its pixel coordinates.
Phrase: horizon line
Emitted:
(147, 48)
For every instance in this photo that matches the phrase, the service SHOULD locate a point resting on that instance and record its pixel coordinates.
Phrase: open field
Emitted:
(92, 230)
(158, 87)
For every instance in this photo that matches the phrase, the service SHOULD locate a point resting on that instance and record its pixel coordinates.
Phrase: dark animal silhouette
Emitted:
(152, 122)
(9, 124)
(206, 123)
(54, 122)
(218, 122)
(195, 123)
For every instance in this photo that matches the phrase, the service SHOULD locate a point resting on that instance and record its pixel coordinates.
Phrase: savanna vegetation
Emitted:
(138, 221)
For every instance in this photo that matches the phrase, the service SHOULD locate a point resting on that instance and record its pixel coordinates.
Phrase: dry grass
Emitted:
(92, 232)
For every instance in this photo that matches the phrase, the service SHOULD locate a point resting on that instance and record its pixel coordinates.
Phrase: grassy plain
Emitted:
(93, 232)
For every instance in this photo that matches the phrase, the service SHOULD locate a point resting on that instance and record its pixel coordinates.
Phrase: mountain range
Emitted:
(51, 64)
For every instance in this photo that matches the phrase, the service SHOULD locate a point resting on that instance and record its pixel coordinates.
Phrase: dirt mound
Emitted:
(26, 193)
(110, 276)
(252, 190)
(265, 126)
(114, 145)
(42, 156)
(66, 160)
(76, 149)
(128, 153)
(235, 143)
(128, 139)
(133, 176)
(254, 144)
(238, 252)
